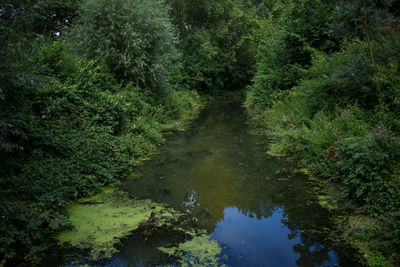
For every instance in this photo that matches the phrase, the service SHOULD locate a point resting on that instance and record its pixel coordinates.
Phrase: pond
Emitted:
(258, 211)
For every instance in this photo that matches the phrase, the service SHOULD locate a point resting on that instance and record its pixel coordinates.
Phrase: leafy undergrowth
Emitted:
(355, 165)
(78, 131)
(340, 122)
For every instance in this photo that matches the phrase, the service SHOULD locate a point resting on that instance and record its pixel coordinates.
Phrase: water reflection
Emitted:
(266, 242)
(220, 175)
(262, 214)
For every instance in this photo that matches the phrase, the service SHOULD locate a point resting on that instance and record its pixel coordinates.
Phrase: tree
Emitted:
(218, 51)
(134, 38)
(44, 17)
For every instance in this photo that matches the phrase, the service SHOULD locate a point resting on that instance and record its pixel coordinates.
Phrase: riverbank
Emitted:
(372, 236)
(114, 155)
(98, 222)
(232, 205)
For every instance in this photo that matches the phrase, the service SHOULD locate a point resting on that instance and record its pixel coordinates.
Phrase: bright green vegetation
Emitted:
(199, 251)
(100, 221)
(326, 92)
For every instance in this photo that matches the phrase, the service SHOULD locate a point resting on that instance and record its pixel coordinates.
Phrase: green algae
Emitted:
(199, 251)
(101, 221)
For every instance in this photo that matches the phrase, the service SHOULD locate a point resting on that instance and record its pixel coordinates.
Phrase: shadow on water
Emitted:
(258, 211)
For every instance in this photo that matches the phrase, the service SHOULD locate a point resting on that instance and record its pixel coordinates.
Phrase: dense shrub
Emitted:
(133, 38)
(82, 129)
(343, 78)
(218, 52)
(319, 124)
(331, 114)
(371, 170)
(278, 69)
(70, 125)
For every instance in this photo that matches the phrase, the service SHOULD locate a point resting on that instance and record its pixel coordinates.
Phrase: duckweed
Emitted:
(199, 251)
(101, 221)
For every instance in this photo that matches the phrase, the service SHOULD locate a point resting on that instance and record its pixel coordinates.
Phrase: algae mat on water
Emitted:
(99, 222)
(199, 251)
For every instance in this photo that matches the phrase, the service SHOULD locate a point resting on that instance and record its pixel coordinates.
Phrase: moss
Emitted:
(99, 222)
(200, 251)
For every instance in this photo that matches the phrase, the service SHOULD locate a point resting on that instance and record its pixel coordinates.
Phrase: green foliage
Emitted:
(309, 19)
(218, 53)
(343, 78)
(387, 80)
(319, 124)
(82, 129)
(347, 18)
(202, 68)
(45, 17)
(387, 238)
(286, 42)
(371, 169)
(319, 89)
(179, 106)
(133, 38)
(68, 125)
(281, 57)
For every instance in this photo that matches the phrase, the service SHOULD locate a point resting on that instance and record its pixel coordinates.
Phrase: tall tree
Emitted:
(134, 38)
(218, 53)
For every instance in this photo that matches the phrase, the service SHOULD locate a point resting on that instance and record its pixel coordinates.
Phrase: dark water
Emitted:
(252, 204)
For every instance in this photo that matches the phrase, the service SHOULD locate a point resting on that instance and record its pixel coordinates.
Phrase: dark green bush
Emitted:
(387, 238)
(216, 44)
(343, 78)
(283, 56)
(371, 170)
(82, 129)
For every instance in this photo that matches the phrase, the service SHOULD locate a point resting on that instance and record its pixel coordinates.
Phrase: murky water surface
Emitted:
(259, 212)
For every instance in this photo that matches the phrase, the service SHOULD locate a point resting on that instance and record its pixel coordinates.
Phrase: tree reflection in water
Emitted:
(262, 213)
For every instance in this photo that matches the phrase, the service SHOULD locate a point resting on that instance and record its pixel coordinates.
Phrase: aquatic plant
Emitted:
(201, 250)
(101, 221)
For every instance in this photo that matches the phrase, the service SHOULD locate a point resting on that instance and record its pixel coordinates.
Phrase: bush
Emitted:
(321, 113)
(82, 131)
(387, 238)
(371, 171)
(218, 53)
(338, 146)
(283, 56)
(343, 78)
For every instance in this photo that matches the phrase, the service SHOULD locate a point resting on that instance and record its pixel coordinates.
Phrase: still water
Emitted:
(258, 211)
